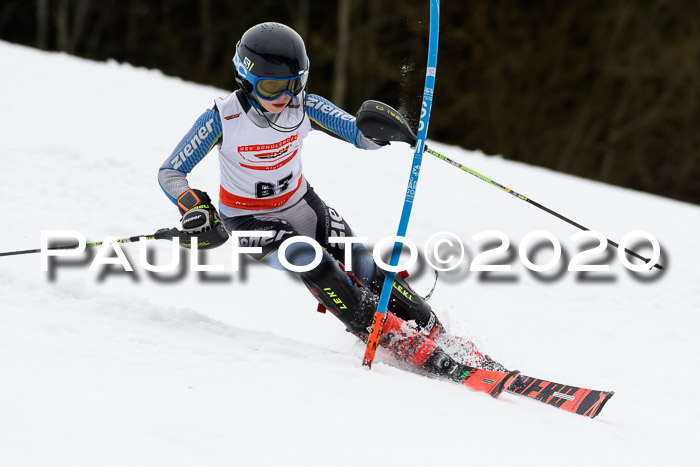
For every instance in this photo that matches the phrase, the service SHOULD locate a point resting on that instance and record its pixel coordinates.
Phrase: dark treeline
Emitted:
(608, 90)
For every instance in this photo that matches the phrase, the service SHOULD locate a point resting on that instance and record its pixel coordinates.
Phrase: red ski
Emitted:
(586, 402)
(582, 401)
(492, 383)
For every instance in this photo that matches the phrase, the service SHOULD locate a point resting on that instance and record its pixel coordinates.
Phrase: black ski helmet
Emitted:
(270, 50)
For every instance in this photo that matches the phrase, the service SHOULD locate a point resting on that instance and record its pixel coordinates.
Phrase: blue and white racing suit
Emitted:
(263, 189)
(262, 183)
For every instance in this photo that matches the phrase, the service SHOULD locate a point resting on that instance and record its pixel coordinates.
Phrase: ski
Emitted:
(581, 401)
(491, 382)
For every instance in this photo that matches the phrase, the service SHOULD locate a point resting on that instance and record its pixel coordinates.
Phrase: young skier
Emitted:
(259, 130)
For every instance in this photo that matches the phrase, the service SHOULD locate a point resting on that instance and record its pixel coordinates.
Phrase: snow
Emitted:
(236, 368)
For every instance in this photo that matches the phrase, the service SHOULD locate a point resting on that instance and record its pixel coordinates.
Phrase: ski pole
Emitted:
(161, 234)
(532, 202)
(383, 123)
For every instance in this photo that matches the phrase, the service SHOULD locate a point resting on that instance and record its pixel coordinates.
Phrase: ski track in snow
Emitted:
(130, 369)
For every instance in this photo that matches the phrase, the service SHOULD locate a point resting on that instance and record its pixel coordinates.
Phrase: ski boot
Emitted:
(408, 305)
(355, 306)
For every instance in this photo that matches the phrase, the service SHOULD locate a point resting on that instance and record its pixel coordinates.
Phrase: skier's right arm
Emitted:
(202, 137)
(199, 217)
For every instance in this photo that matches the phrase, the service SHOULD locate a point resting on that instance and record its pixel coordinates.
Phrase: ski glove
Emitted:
(200, 220)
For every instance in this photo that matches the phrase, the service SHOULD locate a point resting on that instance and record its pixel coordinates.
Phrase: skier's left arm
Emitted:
(334, 121)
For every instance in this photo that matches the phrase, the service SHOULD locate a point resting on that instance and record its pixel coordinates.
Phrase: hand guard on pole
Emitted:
(377, 120)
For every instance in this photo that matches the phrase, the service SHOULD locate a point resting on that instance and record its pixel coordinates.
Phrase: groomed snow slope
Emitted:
(238, 369)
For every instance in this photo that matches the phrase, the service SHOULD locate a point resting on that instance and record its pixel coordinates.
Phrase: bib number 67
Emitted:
(267, 189)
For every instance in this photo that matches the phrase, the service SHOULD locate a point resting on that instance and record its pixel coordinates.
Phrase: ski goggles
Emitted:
(270, 89)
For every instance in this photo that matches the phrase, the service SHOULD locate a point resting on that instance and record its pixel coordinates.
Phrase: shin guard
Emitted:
(349, 302)
(355, 306)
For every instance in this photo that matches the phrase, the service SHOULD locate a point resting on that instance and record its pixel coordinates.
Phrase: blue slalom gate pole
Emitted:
(380, 314)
